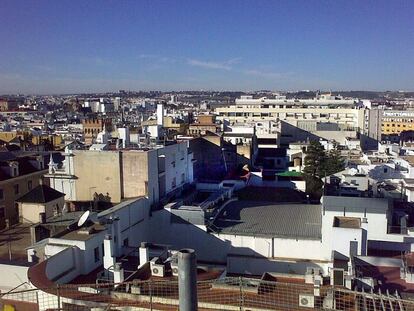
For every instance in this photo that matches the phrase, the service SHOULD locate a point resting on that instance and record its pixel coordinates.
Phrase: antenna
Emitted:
(83, 219)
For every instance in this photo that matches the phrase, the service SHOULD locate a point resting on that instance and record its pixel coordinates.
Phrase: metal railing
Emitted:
(231, 293)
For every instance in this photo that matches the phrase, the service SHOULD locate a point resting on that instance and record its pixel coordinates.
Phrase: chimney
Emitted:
(143, 254)
(118, 273)
(14, 168)
(108, 258)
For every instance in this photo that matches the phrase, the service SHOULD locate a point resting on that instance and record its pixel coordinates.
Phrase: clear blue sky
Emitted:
(82, 46)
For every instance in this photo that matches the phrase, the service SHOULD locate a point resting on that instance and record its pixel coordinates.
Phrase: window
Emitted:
(29, 185)
(174, 183)
(2, 212)
(126, 242)
(1, 194)
(16, 189)
(96, 253)
(385, 170)
(182, 178)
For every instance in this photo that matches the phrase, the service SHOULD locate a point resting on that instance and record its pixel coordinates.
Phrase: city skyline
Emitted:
(151, 45)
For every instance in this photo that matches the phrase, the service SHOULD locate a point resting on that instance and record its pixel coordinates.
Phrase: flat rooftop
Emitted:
(269, 219)
(81, 234)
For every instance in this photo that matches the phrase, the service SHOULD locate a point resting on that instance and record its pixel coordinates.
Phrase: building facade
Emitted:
(121, 174)
(18, 176)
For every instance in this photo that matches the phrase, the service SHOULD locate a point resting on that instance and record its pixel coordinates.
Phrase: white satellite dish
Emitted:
(83, 219)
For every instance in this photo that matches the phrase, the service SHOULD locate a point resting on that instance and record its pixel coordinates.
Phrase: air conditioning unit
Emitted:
(306, 300)
(174, 269)
(158, 270)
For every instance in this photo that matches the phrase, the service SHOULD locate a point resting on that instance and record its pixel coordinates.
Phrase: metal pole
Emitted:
(241, 302)
(58, 296)
(9, 247)
(187, 280)
(150, 293)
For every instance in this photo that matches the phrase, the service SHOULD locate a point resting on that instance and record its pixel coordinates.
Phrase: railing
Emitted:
(234, 293)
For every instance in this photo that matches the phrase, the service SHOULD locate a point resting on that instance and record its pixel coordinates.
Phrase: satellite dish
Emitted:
(83, 219)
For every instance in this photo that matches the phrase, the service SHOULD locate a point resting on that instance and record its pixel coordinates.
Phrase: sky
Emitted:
(71, 46)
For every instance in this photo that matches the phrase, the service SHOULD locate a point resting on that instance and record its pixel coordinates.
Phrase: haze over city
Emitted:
(100, 46)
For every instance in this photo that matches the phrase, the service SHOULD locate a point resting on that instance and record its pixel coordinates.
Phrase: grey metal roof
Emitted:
(355, 204)
(267, 219)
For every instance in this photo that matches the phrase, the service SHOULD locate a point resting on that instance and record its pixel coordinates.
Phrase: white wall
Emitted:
(342, 237)
(86, 256)
(16, 275)
(177, 162)
(133, 222)
(63, 267)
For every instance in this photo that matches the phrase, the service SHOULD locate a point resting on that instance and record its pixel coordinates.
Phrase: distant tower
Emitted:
(160, 114)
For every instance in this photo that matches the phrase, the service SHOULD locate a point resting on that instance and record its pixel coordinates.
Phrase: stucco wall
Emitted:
(135, 173)
(29, 212)
(102, 177)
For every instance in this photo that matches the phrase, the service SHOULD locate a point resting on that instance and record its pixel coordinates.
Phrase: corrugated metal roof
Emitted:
(268, 219)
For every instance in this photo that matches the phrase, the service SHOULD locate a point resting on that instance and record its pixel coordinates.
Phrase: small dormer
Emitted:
(14, 168)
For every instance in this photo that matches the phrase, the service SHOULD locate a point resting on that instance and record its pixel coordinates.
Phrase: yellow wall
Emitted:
(393, 127)
(102, 177)
(135, 173)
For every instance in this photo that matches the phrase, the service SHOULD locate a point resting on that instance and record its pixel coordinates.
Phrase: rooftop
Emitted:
(268, 219)
(81, 234)
(41, 194)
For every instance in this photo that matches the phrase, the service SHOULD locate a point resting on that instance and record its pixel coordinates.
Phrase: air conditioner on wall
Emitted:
(158, 270)
(306, 300)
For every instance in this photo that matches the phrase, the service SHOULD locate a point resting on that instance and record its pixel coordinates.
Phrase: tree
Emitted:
(335, 162)
(314, 168)
(319, 164)
(314, 160)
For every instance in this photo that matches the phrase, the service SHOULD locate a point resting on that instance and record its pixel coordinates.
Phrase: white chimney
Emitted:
(143, 254)
(108, 259)
(118, 273)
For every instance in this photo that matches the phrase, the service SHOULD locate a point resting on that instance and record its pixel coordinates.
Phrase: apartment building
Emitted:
(395, 122)
(120, 174)
(300, 113)
(18, 176)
